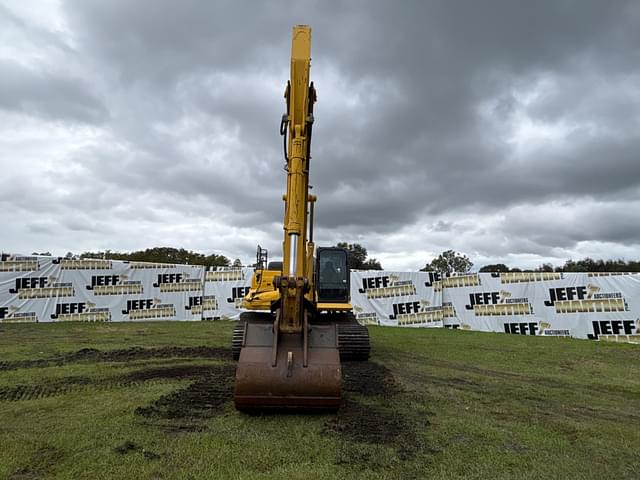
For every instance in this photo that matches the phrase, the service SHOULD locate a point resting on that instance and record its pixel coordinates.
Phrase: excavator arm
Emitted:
(296, 126)
(290, 357)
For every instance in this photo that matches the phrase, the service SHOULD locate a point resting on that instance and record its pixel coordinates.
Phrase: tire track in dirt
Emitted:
(206, 396)
(525, 379)
(376, 421)
(369, 379)
(450, 374)
(92, 355)
(368, 414)
(66, 385)
(41, 463)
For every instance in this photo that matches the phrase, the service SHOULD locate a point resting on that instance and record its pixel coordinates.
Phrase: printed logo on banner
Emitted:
(81, 312)
(448, 310)
(177, 282)
(433, 277)
(533, 328)
(201, 303)
(547, 330)
(82, 264)
(498, 304)
(11, 315)
(387, 286)
(149, 308)
(41, 287)
(145, 265)
(453, 326)
(584, 299)
(613, 327)
(14, 263)
(458, 281)
(227, 275)
(416, 313)
(368, 318)
(521, 328)
(526, 277)
(365, 318)
(114, 285)
(237, 294)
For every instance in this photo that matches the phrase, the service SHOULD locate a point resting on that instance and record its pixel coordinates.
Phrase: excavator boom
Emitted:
(289, 359)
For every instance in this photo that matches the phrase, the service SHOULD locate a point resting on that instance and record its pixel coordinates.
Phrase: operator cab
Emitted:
(333, 282)
(276, 266)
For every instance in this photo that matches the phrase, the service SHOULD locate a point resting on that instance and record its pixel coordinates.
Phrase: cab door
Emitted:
(332, 274)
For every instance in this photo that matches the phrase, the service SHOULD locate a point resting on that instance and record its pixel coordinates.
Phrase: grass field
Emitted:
(153, 401)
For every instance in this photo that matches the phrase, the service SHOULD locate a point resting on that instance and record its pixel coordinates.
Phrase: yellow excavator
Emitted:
(299, 323)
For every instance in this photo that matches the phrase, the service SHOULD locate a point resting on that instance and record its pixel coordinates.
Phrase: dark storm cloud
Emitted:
(446, 60)
(563, 224)
(162, 40)
(429, 113)
(47, 94)
(436, 56)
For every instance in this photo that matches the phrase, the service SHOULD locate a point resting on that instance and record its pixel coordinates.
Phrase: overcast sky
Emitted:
(509, 131)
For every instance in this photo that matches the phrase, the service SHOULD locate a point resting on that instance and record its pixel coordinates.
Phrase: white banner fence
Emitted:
(603, 306)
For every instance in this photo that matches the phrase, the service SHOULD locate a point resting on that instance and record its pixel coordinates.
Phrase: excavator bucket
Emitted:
(288, 371)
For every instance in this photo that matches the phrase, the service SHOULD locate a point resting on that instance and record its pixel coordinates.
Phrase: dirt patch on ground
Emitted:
(415, 381)
(43, 390)
(139, 353)
(121, 355)
(201, 399)
(65, 385)
(359, 423)
(366, 423)
(369, 379)
(40, 465)
(176, 372)
(126, 447)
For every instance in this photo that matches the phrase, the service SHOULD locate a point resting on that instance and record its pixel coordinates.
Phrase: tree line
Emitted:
(450, 262)
(358, 257)
(162, 255)
(447, 262)
(584, 265)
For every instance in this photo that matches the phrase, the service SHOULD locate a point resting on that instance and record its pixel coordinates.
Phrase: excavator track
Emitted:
(236, 339)
(353, 339)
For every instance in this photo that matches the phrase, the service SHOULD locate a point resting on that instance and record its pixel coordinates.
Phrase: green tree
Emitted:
(545, 267)
(358, 257)
(496, 267)
(163, 255)
(449, 262)
(372, 264)
(591, 265)
(237, 263)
